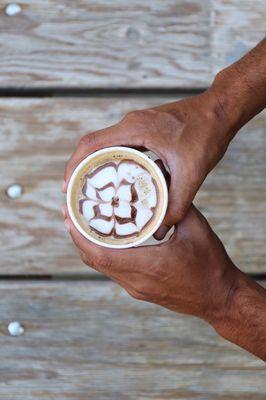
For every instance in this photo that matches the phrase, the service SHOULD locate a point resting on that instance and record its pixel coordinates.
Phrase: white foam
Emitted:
(107, 194)
(143, 216)
(123, 210)
(103, 177)
(146, 190)
(129, 171)
(124, 193)
(106, 209)
(102, 226)
(87, 209)
(125, 229)
(90, 191)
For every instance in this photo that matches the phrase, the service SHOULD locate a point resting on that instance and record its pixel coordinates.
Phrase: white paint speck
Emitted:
(13, 9)
(14, 191)
(15, 328)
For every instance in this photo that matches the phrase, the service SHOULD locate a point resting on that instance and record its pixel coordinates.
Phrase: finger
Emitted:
(140, 148)
(164, 171)
(111, 262)
(179, 201)
(124, 281)
(64, 210)
(116, 135)
(194, 222)
(163, 229)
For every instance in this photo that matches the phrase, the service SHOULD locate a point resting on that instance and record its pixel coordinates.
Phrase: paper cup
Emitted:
(163, 185)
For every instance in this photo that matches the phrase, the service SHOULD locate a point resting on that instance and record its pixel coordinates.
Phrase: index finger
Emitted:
(115, 135)
(111, 262)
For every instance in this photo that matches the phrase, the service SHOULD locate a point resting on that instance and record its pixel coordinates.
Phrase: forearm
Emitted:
(238, 92)
(244, 320)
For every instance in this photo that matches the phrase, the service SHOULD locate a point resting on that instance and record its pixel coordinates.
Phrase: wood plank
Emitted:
(143, 43)
(89, 340)
(106, 44)
(237, 27)
(38, 135)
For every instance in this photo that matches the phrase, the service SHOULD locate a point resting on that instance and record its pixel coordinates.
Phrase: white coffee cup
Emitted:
(159, 177)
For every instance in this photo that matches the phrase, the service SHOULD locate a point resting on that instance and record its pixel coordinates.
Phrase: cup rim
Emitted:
(109, 150)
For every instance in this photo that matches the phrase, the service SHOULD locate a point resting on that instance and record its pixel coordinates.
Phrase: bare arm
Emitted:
(239, 91)
(244, 322)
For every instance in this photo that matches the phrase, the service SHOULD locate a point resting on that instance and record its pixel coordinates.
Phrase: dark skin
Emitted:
(191, 272)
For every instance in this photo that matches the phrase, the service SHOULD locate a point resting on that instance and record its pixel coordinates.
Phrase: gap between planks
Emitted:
(97, 92)
(85, 277)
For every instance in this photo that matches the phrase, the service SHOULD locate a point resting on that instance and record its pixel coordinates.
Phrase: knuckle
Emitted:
(156, 119)
(141, 126)
(165, 121)
(175, 216)
(84, 258)
(181, 212)
(103, 262)
(171, 218)
(83, 141)
(88, 140)
(136, 295)
(139, 115)
(143, 290)
(75, 241)
(132, 115)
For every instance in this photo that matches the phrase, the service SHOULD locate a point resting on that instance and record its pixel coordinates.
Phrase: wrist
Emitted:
(242, 318)
(239, 90)
(232, 286)
(230, 101)
(225, 286)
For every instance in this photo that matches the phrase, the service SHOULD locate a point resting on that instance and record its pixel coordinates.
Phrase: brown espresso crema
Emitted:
(117, 198)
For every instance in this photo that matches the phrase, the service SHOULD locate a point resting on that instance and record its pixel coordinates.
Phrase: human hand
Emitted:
(190, 273)
(190, 136)
(185, 135)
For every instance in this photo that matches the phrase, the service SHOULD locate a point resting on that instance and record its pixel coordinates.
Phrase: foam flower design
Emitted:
(119, 198)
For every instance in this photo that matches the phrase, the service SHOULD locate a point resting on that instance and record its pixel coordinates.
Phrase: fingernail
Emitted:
(63, 210)
(67, 225)
(162, 231)
(64, 187)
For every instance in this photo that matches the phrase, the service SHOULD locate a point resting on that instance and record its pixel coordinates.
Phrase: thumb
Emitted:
(180, 199)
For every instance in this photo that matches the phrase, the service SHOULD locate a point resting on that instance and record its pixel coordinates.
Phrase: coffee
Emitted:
(117, 197)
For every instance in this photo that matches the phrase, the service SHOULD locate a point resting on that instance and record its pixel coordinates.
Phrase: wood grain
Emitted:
(139, 44)
(86, 340)
(237, 27)
(106, 44)
(38, 135)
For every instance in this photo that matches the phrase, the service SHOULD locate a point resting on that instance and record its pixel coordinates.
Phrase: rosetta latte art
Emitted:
(119, 199)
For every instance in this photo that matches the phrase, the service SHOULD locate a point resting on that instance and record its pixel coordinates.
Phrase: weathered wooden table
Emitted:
(70, 67)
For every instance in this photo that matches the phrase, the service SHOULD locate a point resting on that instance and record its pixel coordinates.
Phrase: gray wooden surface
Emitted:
(86, 339)
(38, 135)
(138, 44)
(90, 340)
(237, 26)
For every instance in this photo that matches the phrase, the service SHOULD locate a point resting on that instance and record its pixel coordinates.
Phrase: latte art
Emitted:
(119, 199)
